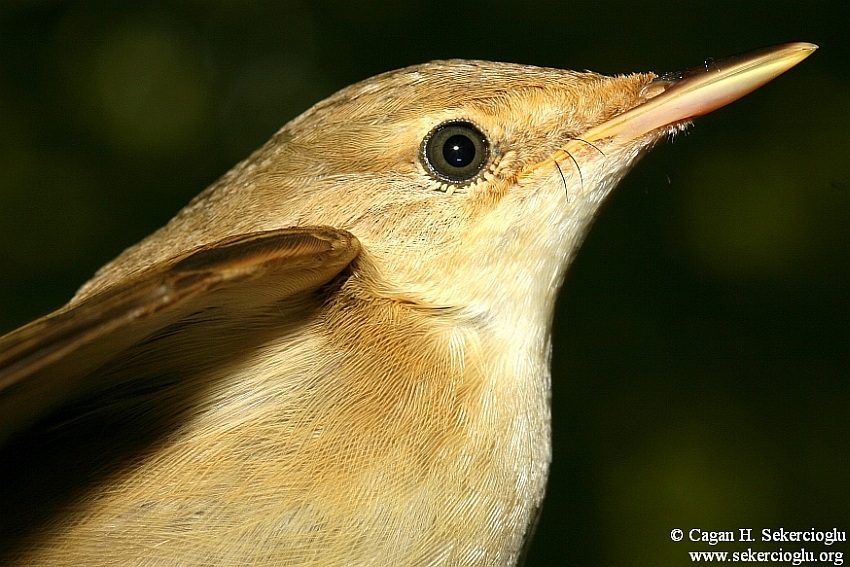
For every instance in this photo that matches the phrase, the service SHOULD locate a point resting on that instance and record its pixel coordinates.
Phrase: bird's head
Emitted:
(453, 174)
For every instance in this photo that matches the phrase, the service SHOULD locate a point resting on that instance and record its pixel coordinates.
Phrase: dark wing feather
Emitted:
(44, 363)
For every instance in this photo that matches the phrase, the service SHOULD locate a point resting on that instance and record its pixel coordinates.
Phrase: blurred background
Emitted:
(702, 340)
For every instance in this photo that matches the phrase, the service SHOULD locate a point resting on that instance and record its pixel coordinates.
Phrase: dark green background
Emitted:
(701, 343)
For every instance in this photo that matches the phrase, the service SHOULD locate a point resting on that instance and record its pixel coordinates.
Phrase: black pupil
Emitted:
(459, 150)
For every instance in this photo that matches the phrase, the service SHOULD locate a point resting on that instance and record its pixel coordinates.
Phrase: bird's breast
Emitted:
(370, 433)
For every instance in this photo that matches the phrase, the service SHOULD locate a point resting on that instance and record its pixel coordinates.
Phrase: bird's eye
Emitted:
(455, 151)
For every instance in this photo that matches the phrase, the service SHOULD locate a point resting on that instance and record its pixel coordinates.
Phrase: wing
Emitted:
(44, 363)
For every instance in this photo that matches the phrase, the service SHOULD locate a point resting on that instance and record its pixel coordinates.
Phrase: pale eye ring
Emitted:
(455, 151)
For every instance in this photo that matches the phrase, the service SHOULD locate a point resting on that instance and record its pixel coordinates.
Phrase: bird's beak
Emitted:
(675, 98)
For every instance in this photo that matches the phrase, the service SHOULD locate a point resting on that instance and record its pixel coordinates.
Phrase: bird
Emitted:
(337, 354)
